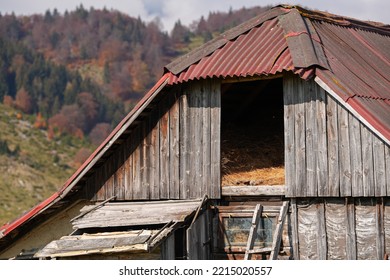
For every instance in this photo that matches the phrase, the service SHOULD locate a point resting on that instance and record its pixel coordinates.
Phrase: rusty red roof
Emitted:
(350, 57)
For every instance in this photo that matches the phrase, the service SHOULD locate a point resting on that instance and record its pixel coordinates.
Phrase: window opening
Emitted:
(252, 133)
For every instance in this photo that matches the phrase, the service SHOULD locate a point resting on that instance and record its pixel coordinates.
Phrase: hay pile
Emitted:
(252, 156)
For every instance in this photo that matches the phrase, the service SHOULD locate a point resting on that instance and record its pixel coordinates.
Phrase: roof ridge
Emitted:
(302, 40)
(378, 27)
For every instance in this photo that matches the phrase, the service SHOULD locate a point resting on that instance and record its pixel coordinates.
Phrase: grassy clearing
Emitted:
(32, 167)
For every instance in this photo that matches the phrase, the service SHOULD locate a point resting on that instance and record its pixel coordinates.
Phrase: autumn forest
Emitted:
(75, 75)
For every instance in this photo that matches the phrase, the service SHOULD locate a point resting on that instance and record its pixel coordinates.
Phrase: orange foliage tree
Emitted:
(23, 101)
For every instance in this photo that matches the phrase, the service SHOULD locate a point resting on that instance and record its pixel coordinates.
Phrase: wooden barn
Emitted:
(272, 141)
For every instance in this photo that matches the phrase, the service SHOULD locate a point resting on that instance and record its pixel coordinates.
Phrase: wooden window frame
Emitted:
(241, 212)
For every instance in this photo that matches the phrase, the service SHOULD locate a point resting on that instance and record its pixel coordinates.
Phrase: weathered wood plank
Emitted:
(101, 192)
(294, 229)
(368, 162)
(311, 138)
(278, 231)
(97, 243)
(336, 229)
(321, 237)
(206, 138)
(289, 135)
(356, 156)
(174, 147)
(164, 149)
(196, 140)
(333, 146)
(380, 230)
(300, 147)
(278, 190)
(386, 225)
(134, 214)
(351, 245)
(109, 183)
(131, 187)
(322, 148)
(144, 159)
(123, 170)
(154, 156)
(185, 163)
(198, 239)
(344, 150)
(379, 167)
(215, 139)
(136, 166)
(90, 190)
(168, 248)
(128, 169)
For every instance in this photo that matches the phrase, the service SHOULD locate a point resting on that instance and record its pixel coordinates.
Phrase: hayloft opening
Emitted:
(252, 133)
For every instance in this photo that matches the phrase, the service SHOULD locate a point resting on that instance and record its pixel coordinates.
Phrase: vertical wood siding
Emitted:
(329, 152)
(173, 153)
(337, 228)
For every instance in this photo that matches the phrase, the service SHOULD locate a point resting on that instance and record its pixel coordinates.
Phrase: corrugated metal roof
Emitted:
(261, 51)
(359, 70)
(194, 56)
(352, 57)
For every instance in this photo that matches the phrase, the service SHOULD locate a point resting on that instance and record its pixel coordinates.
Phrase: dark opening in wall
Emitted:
(252, 133)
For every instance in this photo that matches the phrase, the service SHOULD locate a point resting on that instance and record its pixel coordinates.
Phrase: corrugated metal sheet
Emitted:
(352, 57)
(194, 56)
(261, 51)
(359, 70)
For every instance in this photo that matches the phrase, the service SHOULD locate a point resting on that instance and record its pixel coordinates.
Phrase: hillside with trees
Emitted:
(71, 78)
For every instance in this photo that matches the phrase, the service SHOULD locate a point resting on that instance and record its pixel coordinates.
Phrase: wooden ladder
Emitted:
(277, 234)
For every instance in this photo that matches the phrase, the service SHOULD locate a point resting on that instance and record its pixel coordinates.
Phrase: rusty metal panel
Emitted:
(302, 40)
(185, 61)
(261, 51)
(359, 70)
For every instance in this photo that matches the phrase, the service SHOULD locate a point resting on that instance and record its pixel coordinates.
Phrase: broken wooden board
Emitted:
(120, 214)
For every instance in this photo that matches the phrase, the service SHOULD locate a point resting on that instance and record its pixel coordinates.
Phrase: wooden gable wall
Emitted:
(328, 151)
(172, 154)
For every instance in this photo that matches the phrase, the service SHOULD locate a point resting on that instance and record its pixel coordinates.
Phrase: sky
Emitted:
(169, 11)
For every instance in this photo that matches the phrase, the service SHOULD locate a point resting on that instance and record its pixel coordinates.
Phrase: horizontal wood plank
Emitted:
(277, 190)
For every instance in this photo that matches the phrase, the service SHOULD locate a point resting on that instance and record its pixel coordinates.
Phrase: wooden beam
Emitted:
(277, 190)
